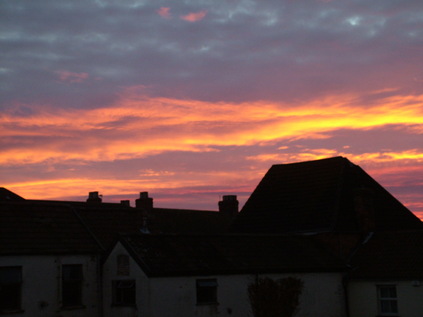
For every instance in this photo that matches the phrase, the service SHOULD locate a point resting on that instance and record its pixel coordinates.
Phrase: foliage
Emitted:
(270, 298)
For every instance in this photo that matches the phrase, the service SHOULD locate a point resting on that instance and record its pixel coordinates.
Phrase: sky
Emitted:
(191, 100)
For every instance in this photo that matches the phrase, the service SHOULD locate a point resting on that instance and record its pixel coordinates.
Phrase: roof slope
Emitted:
(319, 196)
(394, 255)
(107, 221)
(181, 255)
(7, 195)
(40, 228)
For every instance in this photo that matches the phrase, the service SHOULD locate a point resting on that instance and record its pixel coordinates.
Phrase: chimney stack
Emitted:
(229, 205)
(93, 197)
(144, 202)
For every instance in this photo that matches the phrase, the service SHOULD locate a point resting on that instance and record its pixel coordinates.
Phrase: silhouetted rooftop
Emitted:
(42, 228)
(391, 254)
(178, 255)
(325, 195)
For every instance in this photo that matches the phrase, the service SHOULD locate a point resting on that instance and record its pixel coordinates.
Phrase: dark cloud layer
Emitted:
(240, 50)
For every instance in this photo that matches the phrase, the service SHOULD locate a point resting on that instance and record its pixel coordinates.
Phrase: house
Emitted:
(49, 262)
(327, 223)
(387, 274)
(209, 275)
(340, 205)
(51, 251)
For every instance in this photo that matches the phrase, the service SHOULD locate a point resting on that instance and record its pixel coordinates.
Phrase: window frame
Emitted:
(124, 292)
(392, 300)
(13, 286)
(206, 291)
(71, 284)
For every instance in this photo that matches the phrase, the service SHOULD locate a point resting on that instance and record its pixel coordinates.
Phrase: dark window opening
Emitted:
(388, 301)
(207, 291)
(10, 288)
(124, 293)
(72, 280)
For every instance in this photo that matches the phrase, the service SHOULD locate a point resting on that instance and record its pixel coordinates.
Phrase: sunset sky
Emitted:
(191, 100)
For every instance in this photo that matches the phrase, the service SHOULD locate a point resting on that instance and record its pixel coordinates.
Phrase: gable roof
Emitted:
(319, 196)
(40, 228)
(391, 254)
(183, 255)
(7, 195)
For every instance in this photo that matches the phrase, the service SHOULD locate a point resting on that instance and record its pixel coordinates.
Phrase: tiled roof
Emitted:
(390, 255)
(179, 255)
(107, 221)
(165, 220)
(40, 228)
(319, 196)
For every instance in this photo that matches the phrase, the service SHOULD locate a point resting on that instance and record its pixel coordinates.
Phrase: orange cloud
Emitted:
(194, 16)
(164, 12)
(138, 126)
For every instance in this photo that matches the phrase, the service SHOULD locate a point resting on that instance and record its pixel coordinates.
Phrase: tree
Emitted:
(270, 298)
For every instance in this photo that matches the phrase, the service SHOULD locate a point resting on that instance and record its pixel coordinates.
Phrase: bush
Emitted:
(270, 298)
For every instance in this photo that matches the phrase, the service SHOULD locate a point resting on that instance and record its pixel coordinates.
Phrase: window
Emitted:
(388, 301)
(10, 288)
(124, 293)
(72, 285)
(206, 291)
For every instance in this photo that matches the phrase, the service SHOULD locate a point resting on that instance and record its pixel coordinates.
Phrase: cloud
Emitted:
(139, 125)
(164, 12)
(194, 16)
(72, 77)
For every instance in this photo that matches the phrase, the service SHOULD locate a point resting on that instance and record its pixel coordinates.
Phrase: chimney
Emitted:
(144, 202)
(229, 205)
(93, 197)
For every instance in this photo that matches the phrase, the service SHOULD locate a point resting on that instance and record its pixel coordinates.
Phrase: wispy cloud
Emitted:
(138, 125)
(72, 77)
(194, 16)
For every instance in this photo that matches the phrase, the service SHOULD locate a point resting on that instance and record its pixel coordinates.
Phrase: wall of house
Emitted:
(41, 285)
(363, 298)
(323, 294)
(110, 274)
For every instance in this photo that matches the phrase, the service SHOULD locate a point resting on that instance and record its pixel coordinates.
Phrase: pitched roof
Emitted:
(393, 255)
(319, 196)
(7, 195)
(40, 228)
(182, 255)
(105, 221)
(166, 220)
